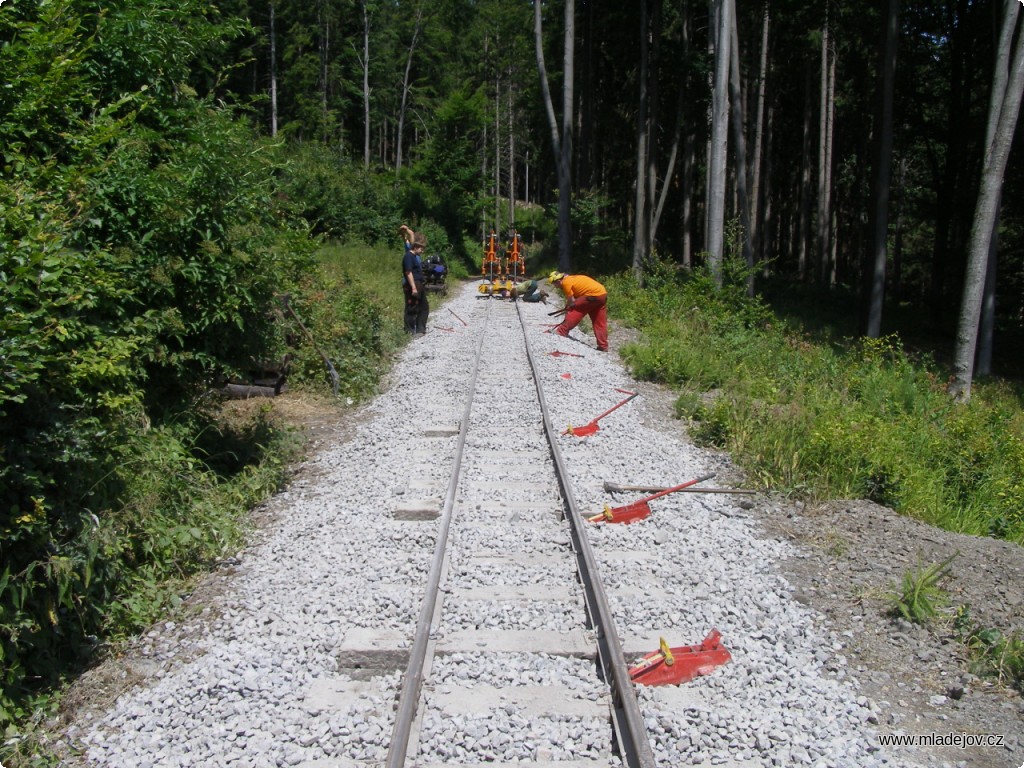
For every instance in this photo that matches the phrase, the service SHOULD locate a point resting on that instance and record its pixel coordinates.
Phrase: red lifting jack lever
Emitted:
(592, 427)
(672, 666)
(638, 510)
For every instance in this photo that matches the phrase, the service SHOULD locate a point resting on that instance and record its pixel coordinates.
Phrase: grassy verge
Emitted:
(832, 417)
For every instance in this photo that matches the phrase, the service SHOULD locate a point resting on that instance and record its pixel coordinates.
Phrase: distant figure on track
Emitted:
(417, 308)
(584, 297)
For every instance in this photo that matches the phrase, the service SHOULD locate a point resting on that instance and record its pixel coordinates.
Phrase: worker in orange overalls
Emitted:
(584, 297)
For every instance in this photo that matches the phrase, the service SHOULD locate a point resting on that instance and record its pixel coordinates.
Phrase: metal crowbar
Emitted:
(610, 487)
(592, 427)
(640, 509)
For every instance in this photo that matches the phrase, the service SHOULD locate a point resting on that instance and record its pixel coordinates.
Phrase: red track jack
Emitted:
(592, 427)
(638, 510)
(672, 666)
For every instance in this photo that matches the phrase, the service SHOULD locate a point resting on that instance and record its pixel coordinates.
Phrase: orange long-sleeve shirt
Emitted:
(576, 286)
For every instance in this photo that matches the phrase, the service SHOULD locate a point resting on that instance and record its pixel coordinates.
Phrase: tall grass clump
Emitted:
(832, 418)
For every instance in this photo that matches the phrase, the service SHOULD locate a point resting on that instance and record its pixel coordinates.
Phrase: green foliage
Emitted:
(141, 245)
(830, 419)
(919, 596)
(992, 653)
(350, 327)
(338, 198)
(448, 179)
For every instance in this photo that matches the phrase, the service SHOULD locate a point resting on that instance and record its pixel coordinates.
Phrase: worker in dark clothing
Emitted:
(417, 308)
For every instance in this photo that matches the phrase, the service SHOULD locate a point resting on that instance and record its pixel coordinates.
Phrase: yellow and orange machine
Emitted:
(499, 272)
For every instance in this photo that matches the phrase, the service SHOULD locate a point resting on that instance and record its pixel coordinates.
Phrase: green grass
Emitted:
(822, 416)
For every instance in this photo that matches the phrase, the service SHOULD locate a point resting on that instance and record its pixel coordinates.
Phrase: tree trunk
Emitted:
(719, 143)
(1004, 108)
(689, 161)
(804, 229)
(565, 173)
(511, 157)
(827, 240)
(642, 129)
(897, 236)
(324, 24)
(823, 165)
(740, 150)
(874, 269)
(561, 144)
(273, 73)
(768, 222)
(986, 329)
(366, 85)
(405, 88)
(756, 204)
(497, 154)
(653, 121)
(713, 14)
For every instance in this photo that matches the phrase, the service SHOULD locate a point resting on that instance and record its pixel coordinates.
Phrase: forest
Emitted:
(839, 119)
(170, 171)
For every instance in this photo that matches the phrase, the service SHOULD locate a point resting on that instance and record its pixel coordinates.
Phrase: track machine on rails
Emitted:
(501, 270)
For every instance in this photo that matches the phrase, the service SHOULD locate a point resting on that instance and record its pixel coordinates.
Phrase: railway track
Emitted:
(322, 645)
(488, 595)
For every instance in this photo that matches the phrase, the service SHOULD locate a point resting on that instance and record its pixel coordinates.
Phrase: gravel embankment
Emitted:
(235, 682)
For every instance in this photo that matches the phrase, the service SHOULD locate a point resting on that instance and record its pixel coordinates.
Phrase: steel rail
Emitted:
(634, 741)
(412, 681)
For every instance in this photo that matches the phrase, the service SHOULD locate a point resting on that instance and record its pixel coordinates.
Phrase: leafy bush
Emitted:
(141, 245)
(338, 198)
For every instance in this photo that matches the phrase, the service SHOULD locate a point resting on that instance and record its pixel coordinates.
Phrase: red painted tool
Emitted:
(638, 510)
(592, 427)
(672, 666)
(556, 353)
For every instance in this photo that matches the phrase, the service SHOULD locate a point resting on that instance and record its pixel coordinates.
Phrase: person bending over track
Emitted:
(584, 297)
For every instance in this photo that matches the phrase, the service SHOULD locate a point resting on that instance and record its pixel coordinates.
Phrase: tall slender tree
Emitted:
(740, 148)
(757, 160)
(407, 86)
(561, 143)
(1004, 108)
(875, 264)
(719, 141)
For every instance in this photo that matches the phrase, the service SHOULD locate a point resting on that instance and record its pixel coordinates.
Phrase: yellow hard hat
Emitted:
(554, 277)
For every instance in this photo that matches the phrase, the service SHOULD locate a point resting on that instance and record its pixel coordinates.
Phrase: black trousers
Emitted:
(417, 308)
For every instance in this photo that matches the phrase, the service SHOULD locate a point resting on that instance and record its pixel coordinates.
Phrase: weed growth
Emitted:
(919, 597)
(992, 653)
